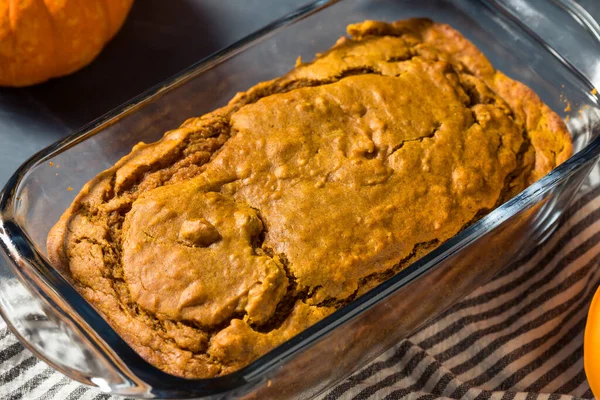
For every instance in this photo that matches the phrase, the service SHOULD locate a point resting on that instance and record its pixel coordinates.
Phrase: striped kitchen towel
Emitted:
(520, 336)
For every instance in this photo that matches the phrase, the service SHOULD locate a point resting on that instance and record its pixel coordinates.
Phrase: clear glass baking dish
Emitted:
(551, 45)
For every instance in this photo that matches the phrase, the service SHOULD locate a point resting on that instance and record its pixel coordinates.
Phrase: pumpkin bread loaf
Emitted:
(245, 226)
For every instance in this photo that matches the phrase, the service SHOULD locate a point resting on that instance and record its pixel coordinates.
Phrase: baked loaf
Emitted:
(245, 226)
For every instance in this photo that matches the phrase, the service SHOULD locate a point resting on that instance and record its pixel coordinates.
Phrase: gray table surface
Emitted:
(158, 39)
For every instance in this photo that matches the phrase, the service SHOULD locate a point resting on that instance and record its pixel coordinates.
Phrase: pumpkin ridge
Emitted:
(60, 39)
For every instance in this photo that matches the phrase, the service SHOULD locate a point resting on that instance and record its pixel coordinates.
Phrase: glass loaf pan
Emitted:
(521, 39)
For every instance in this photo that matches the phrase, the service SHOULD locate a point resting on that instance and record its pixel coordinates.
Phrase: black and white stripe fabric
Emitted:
(520, 336)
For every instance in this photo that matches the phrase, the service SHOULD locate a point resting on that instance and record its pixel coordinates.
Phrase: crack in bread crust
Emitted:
(351, 150)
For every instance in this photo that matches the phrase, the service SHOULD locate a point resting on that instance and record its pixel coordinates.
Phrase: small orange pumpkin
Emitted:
(43, 39)
(591, 345)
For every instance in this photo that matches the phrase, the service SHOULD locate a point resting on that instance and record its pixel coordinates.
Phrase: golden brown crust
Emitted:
(247, 225)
